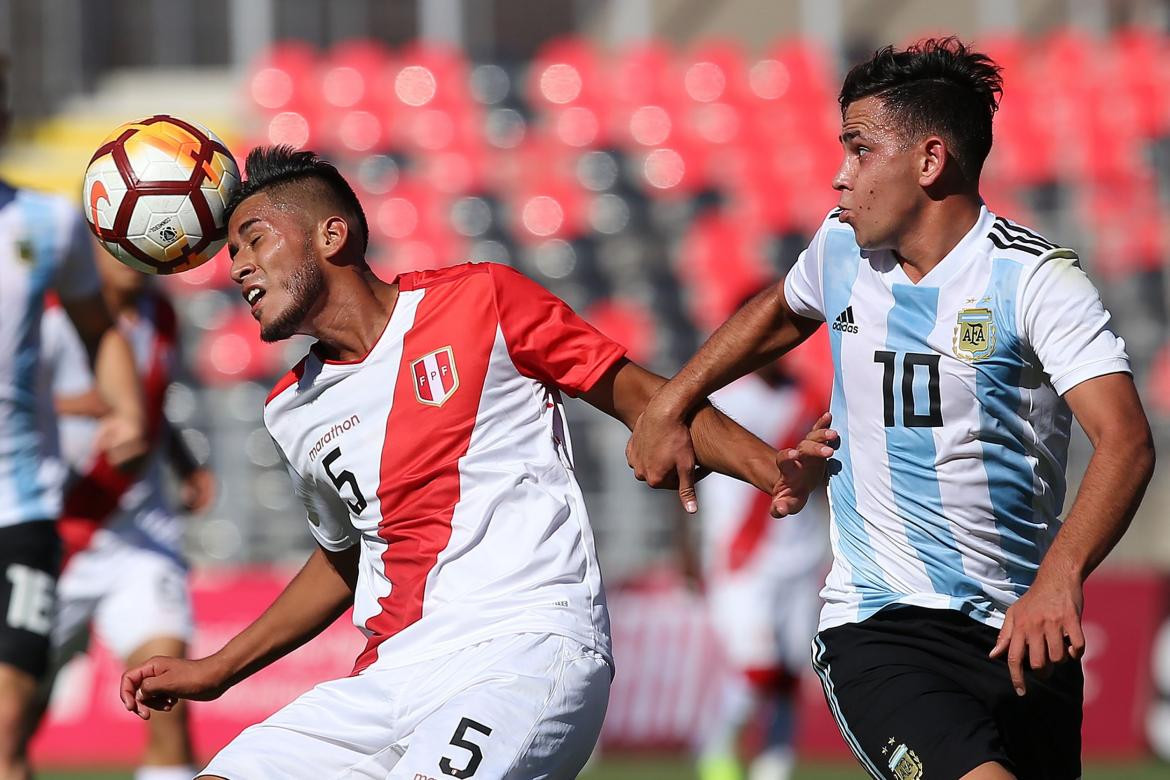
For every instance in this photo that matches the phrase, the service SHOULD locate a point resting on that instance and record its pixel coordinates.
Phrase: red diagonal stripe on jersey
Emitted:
(419, 482)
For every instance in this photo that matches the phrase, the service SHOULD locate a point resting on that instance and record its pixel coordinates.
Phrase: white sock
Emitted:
(773, 764)
(181, 772)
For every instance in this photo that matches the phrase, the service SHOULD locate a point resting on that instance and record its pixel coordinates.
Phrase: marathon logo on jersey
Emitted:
(974, 334)
(435, 377)
(844, 321)
(332, 434)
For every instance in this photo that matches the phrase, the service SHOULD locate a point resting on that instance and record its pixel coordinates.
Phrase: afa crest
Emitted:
(905, 764)
(435, 377)
(974, 334)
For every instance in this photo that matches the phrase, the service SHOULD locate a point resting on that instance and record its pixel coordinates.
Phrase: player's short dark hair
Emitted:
(938, 85)
(269, 167)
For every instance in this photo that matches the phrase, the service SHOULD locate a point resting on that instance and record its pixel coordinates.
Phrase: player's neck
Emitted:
(938, 229)
(353, 317)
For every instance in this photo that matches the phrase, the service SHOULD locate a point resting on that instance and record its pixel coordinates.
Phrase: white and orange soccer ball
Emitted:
(156, 191)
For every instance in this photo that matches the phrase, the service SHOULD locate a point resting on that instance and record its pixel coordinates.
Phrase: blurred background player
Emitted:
(125, 572)
(43, 245)
(761, 576)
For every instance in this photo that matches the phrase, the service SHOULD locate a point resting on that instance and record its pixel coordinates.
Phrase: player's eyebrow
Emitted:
(247, 224)
(849, 135)
(233, 247)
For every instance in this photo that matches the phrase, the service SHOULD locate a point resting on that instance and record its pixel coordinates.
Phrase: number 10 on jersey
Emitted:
(913, 364)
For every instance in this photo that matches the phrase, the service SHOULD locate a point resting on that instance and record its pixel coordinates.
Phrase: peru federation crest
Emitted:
(974, 334)
(435, 377)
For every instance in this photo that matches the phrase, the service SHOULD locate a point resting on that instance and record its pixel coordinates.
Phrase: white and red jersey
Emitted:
(101, 496)
(444, 453)
(740, 537)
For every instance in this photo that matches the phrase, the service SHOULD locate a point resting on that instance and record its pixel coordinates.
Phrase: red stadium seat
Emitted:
(351, 75)
(233, 352)
(720, 263)
(550, 208)
(628, 323)
(283, 77)
(1127, 225)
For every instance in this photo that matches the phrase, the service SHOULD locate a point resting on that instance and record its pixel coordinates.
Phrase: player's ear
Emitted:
(933, 160)
(331, 235)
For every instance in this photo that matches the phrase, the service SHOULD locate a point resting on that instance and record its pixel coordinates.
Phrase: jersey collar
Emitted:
(953, 262)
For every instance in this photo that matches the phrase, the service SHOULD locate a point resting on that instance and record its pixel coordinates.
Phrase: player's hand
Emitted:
(1041, 629)
(662, 455)
(802, 469)
(123, 441)
(197, 490)
(159, 683)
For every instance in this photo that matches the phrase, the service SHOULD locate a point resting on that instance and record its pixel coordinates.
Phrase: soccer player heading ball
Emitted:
(425, 434)
(950, 640)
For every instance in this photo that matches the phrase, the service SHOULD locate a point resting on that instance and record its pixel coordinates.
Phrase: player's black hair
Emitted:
(938, 85)
(273, 166)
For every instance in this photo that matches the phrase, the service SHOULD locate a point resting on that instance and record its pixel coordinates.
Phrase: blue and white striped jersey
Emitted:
(949, 483)
(43, 245)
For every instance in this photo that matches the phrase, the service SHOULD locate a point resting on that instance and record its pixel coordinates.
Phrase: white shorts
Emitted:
(764, 622)
(131, 594)
(520, 706)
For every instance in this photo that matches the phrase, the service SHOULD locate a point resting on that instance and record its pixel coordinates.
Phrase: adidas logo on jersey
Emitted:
(844, 321)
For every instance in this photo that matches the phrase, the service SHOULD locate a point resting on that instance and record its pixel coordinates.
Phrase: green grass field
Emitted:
(660, 769)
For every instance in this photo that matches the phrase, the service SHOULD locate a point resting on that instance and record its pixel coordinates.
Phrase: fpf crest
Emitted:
(974, 334)
(435, 376)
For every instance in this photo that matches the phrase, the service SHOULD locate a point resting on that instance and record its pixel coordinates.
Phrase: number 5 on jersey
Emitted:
(344, 479)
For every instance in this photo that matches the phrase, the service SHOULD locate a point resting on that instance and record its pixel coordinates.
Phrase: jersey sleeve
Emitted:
(803, 288)
(63, 354)
(327, 514)
(1067, 325)
(76, 276)
(547, 340)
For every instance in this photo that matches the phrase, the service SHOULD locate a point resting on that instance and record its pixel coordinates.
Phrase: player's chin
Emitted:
(277, 328)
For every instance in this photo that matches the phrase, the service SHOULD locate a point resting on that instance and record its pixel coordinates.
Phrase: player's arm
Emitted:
(123, 432)
(720, 444)
(761, 331)
(196, 482)
(1044, 626)
(317, 596)
(87, 404)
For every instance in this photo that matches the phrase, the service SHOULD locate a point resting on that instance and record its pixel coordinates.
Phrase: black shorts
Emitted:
(915, 695)
(30, 556)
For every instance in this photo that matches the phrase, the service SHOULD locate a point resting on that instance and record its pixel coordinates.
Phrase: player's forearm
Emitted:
(116, 377)
(1109, 495)
(758, 333)
(89, 404)
(182, 459)
(316, 597)
(724, 446)
(720, 443)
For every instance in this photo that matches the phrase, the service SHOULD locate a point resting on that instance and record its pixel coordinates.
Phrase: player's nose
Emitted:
(241, 268)
(841, 181)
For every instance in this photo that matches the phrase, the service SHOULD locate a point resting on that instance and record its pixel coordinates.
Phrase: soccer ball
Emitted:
(155, 194)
